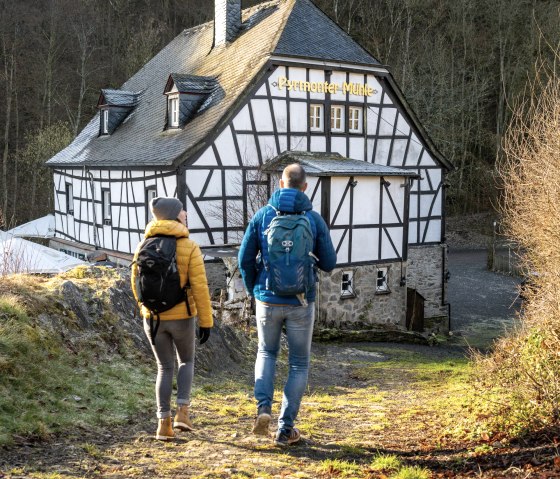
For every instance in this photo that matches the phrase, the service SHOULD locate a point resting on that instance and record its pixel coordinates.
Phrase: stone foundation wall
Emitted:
(367, 308)
(425, 274)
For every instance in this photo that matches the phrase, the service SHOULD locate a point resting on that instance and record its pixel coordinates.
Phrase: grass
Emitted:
(54, 377)
(89, 380)
(385, 463)
(411, 472)
(339, 467)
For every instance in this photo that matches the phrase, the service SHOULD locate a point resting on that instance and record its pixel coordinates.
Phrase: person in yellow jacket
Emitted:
(177, 326)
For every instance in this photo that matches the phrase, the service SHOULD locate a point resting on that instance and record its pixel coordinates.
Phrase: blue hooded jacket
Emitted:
(254, 274)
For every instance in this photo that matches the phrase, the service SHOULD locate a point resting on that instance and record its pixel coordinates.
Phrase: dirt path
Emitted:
(483, 303)
(372, 411)
(364, 401)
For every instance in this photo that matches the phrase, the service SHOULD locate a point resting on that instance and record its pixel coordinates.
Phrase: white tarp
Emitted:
(21, 256)
(39, 228)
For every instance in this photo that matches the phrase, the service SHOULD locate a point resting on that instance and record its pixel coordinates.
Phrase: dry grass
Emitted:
(525, 367)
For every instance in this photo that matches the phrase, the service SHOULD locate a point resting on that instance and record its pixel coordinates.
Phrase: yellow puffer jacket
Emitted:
(191, 267)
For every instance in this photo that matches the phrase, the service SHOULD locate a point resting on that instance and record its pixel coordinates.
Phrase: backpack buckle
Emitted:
(287, 244)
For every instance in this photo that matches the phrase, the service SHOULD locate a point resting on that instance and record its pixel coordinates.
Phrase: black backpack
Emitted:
(158, 284)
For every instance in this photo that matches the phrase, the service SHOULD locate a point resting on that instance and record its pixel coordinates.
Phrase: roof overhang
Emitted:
(332, 164)
(283, 59)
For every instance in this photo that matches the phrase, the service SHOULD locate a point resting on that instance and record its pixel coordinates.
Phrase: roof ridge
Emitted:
(285, 18)
(343, 31)
(256, 8)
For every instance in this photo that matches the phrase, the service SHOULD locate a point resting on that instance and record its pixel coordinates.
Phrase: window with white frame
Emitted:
(347, 285)
(151, 193)
(382, 284)
(105, 122)
(337, 118)
(173, 107)
(355, 115)
(106, 206)
(69, 199)
(316, 118)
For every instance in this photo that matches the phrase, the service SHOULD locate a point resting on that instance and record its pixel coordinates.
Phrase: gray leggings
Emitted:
(181, 333)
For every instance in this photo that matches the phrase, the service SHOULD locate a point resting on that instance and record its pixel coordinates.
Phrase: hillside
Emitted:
(77, 401)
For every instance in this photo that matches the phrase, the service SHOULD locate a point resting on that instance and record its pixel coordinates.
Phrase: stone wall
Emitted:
(367, 308)
(425, 274)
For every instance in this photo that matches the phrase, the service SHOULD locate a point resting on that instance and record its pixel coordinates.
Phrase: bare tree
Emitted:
(9, 55)
(84, 35)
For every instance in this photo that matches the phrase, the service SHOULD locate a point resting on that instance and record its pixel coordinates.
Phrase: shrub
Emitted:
(524, 368)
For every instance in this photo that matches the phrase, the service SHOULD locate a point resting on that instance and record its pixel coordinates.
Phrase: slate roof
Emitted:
(276, 27)
(118, 98)
(309, 33)
(333, 164)
(194, 84)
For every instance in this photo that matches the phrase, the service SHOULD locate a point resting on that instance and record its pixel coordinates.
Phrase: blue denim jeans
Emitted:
(299, 330)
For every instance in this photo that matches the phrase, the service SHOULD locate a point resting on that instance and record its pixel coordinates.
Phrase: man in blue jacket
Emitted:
(273, 312)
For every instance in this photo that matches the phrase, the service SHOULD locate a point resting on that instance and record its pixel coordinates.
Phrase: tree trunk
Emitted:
(84, 33)
(406, 53)
(16, 159)
(49, 67)
(83, 60)
(9, 68)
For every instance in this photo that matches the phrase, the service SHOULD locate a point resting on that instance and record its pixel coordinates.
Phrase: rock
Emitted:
(73, 300)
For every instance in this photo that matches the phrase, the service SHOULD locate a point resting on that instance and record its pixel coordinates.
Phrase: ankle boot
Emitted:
(182, 420)
(165, 431)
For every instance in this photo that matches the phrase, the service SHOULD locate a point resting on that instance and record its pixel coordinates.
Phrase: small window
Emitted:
(73, 253)
(105, 122)
(355, 119)
(69, 199)
(382, 285)
(337, 118)
(106, 205)
(347, 285)
(151, 193)
(316, 118)
(173, 111)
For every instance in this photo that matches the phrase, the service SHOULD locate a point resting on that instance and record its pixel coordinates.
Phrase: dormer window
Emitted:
(105, 122)
(173, 107)
(188, 96)
(115, 106)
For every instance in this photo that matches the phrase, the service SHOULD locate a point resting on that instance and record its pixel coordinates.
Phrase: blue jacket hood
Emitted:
(290, 200)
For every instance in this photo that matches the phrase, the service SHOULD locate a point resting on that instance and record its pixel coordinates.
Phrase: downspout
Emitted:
(91, 186)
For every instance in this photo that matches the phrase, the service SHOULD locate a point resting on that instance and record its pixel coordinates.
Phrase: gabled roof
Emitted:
(310, 33)
(122, 98)
(332, 164)
(290, 28)
(191, 83)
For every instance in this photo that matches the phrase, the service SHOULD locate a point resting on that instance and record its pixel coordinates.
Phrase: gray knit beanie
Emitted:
(165, 208)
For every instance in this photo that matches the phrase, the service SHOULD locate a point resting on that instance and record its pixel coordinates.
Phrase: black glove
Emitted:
(203, 334)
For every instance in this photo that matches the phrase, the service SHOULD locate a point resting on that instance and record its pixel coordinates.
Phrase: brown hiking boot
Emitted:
(260, 428)
(165, 431)
(182, 420)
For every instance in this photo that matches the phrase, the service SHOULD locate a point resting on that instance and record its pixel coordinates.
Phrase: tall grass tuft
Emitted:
(524, 368)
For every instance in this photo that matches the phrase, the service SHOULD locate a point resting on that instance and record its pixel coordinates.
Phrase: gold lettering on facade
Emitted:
(358, 89)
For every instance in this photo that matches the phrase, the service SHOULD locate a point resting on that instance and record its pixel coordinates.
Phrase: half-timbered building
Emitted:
(212, 117)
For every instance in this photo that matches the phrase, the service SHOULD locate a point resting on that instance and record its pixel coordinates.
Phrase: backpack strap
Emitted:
(186, 289)
(154, 330)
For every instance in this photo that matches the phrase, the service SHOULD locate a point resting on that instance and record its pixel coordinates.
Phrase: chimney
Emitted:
(227, 21)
